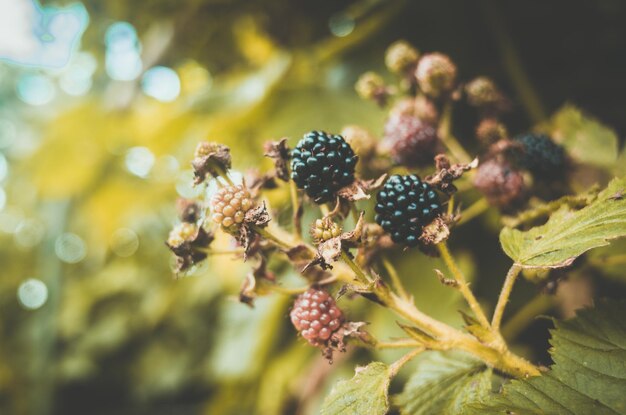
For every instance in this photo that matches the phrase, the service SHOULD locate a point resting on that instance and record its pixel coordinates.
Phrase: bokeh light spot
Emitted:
(161, 83)
(29, 233)
(139, 161)
(32, 294)
(3, 198)
(124, 242)
(70, 248)
(8, 133)
(35, 89)
(4, 167)
(341, 25)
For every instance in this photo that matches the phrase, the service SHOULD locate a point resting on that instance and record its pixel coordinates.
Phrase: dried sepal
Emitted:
(210, 158)
(188, 210)
(338, 340)
(435, 232)
(257, 216)
(188, 242)
(279, 152)
(446, 174)
(330, 250)
(360, 189)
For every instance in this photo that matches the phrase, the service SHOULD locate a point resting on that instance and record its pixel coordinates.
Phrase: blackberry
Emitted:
(502, 185)
(540, 155)
(316, 316)
(322, 164)
(404, 206)
(436, 74)
(411, 141)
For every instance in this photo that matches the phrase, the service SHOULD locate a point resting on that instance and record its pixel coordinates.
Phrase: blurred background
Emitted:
(101, 106)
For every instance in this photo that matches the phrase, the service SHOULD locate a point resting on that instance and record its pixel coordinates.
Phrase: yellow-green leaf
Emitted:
(365, 393)
(585, 139)
(569, 233)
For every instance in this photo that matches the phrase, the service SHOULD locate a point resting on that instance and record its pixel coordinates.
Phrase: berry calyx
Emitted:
(540, 155)
(322, 164)
(404, 206)
(324, 229)
(316, 316)
(502, 185)
(411, 141)
(230, 204)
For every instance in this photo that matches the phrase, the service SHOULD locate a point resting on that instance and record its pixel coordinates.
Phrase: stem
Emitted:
(224, 175)
(271, 237)
(395, 278)
(295, 205)
(325, 210)
(354, 267)
(520, 320)
(511, 276)
(451, 205)
(448, 139)
(463, 285)
(398, 344)
(475, 209)
(397, 365)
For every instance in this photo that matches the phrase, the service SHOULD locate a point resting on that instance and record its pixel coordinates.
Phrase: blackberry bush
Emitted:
(404, 206)
(316, 316)
(540, 155)
(322, 164)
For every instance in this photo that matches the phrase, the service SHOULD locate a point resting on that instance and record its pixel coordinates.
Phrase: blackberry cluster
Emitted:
(316, 316)
(540, 155)
(412, 142)
(322, 164)
(404, 206)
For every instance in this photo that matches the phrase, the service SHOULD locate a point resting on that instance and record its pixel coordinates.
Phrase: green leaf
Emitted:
(585, 139)
(588, 375)
(365, 393)
(444, 383)
(569, 233)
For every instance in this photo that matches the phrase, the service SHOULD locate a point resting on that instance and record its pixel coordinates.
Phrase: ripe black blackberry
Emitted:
(540, 155)
(322, 164)
(411, 141)
(316, 316)
(404, 206)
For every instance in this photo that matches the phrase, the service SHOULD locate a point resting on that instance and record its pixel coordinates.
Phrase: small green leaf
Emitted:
(585, 139)
(588, 375)
(569, 233)
(365, 393)
(444, 383)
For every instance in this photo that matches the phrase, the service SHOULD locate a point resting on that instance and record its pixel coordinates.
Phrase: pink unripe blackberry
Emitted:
(230, 204)
(436, 74)
(316, 316)
(502, 185)
(411, 142)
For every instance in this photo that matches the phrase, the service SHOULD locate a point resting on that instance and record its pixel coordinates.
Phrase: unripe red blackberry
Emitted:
(230, 204)
(322, 164)
(502, 185)
(404, 206)
(411, 142)
(540, 155)
(316, 316)
(324, 229)
(490, 130)
(436, 74)
(401, 57)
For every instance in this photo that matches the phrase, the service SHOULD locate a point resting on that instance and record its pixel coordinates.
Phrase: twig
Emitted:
(520, 320)
(397, 365)
(511, 276)
(395, 278)
(448, 139)
(474, 210)
(463, 285)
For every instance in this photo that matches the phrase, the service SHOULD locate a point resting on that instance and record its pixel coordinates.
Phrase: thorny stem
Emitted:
(397, 365)
(395, 278)
(463, 285)
(448, 139)
(537, 306)
(509, 281)
(474, 210)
